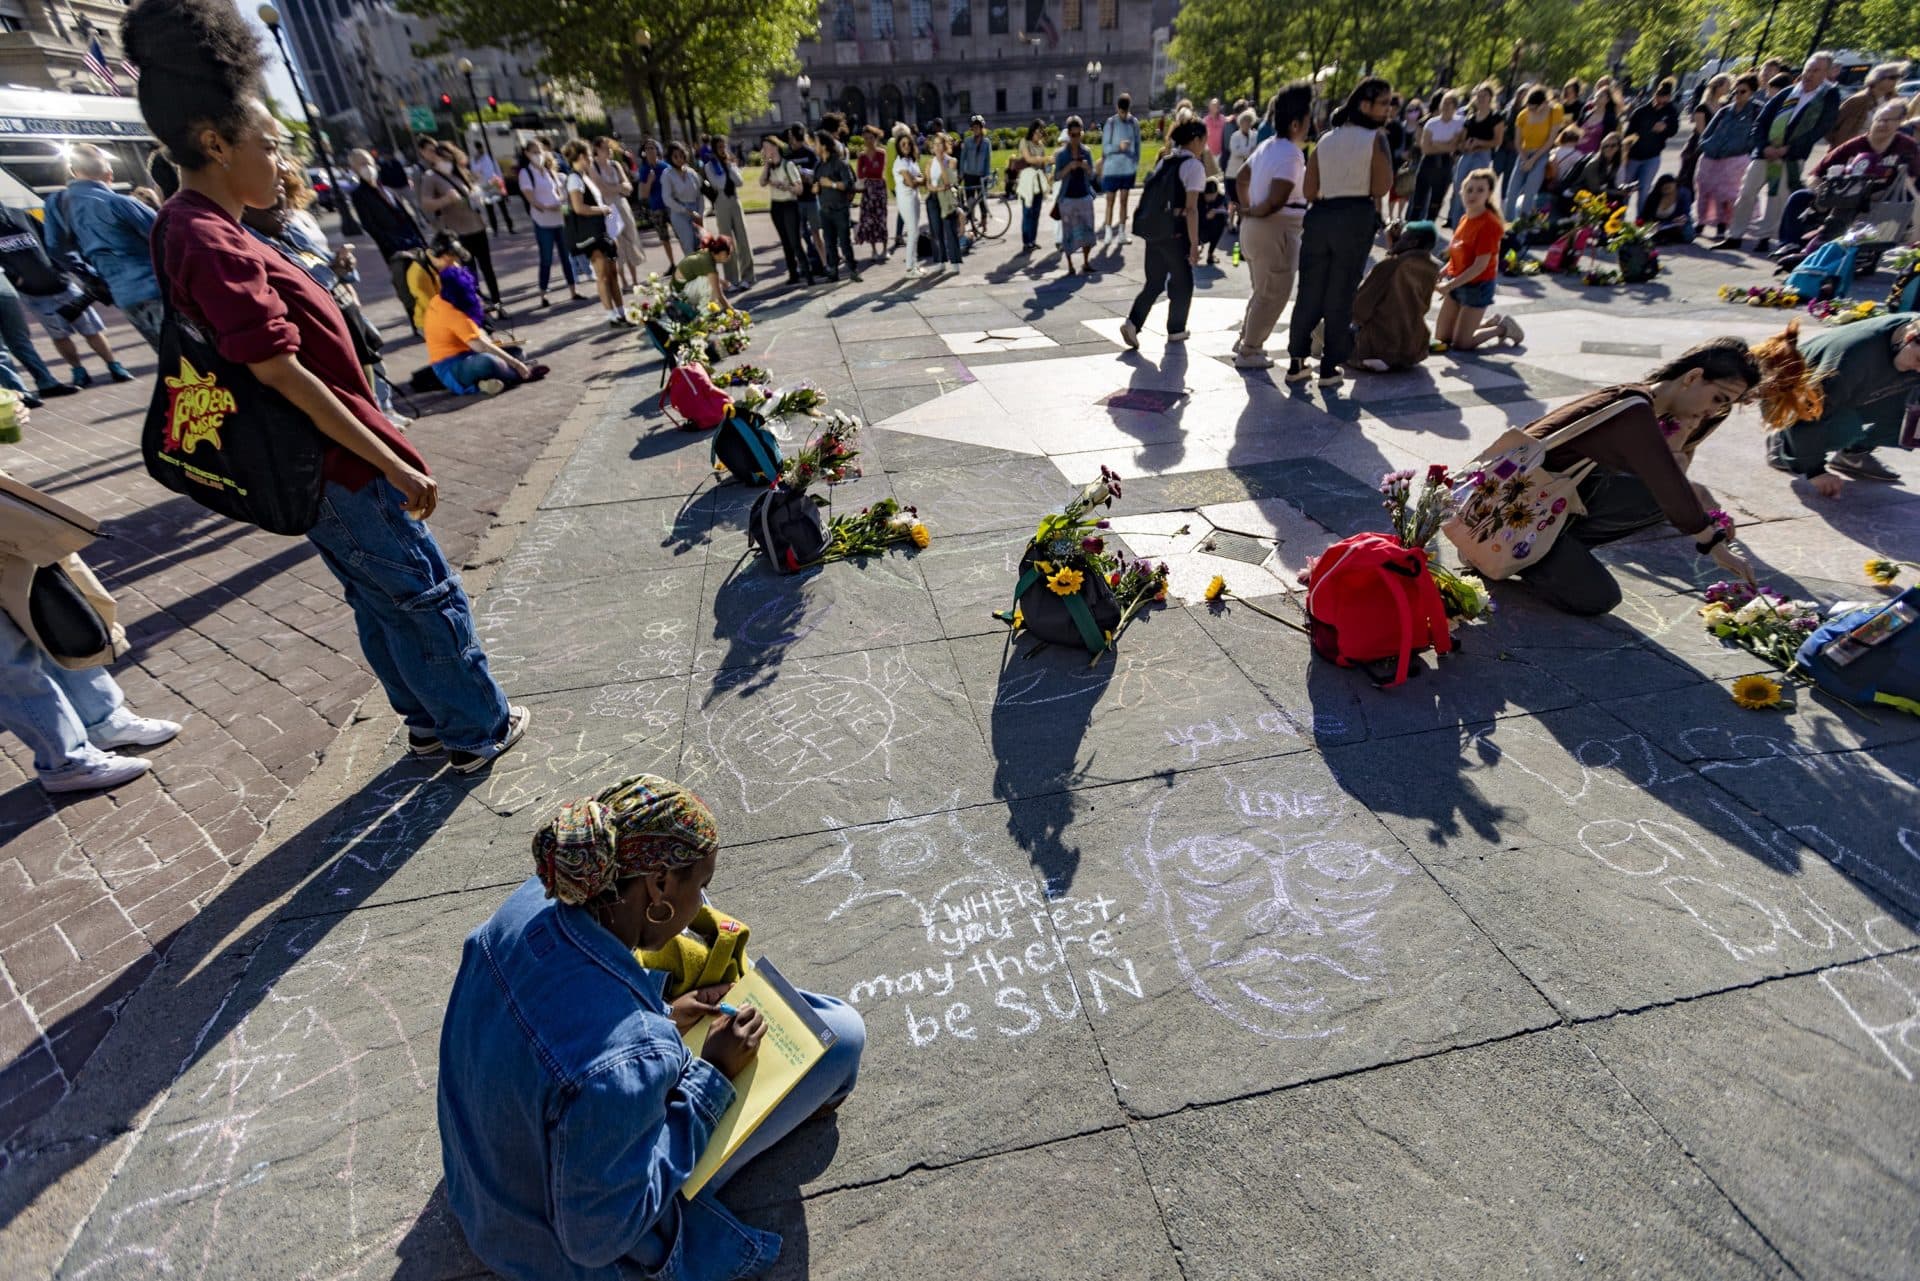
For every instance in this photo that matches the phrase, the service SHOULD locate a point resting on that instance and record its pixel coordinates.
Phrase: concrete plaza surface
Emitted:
(1207, 961)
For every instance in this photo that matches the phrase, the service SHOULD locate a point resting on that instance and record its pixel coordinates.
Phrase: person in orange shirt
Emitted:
(466, 360)
(1473, 260)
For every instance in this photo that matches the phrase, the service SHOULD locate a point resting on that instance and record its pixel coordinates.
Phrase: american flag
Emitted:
(96, 61)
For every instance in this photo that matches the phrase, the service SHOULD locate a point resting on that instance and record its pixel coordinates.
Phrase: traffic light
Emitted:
(492, 101)
(446, 100)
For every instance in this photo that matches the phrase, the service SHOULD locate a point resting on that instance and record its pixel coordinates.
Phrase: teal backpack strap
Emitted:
(1027, 580)
(1083, 620)
(769, 466)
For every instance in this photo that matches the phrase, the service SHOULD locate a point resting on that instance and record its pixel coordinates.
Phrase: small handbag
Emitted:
(1509, 508)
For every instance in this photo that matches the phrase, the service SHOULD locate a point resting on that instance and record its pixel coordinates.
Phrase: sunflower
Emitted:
(1217, 588)
(1066, 581)
(920, 536)
(1619, 220)
(1882, 571)
(1755, 692)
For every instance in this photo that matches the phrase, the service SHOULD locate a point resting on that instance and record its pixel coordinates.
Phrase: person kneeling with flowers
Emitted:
(571, 1111)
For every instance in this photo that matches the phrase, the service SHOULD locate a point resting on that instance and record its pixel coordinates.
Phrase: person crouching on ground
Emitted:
(1642, 444)
(571, 1112)
(1868, 376)
(1390, 311)
(1473, 262)
(465, 359)
(697, 276)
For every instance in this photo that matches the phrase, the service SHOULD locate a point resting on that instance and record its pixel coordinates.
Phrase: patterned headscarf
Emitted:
(639, 825)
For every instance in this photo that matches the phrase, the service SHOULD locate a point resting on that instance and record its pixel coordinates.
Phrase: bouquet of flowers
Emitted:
(1759, 620)
(1515, 263)
(741, 376)
(800, 399)
(13, 416)
(728, 332)
(1417, 520)
(648, 300)
(1072, 590)
(1592, 209)
(1760, 296)
(874, 529)
(828, 457)
(1844, 312)
(1632, 246)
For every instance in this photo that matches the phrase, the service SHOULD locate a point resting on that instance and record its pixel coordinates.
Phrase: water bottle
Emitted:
(1236, 253)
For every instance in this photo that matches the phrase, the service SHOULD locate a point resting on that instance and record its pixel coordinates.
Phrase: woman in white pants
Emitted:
(686, 206)
(729, 219)
(909, 186)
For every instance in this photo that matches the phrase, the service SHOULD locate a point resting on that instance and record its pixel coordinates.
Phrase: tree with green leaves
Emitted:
(690, 60)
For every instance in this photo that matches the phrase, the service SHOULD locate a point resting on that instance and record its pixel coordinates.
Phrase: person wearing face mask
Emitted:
(544, 188)
(571, 1110)
(1639, 447)
(452, 197)
(202, 93)
(388, 220)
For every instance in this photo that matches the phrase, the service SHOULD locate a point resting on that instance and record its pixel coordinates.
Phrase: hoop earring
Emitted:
(659, 920)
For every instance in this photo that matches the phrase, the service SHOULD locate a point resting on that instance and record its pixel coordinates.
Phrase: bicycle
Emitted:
(985, 217)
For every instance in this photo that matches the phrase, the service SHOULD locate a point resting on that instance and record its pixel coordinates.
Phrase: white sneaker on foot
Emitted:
(1252, 360)
(490, 386)
(1129, 335)
(96, 776)
(124, 729)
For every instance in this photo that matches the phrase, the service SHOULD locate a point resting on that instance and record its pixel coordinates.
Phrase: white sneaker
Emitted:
(1125, 235)
(1373, 364)
(1252, 360)
(108, 771)
(1129, 335)
(124, 729)
(1180, 335)
(490, 386)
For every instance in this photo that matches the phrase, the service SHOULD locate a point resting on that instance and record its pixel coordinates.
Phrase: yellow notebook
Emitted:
(795, 1039)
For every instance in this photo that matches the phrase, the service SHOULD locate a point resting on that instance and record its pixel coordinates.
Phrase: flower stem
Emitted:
(1284, 622)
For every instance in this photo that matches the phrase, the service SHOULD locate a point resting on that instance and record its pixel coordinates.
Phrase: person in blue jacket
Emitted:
(571, 1111)
(110, 233)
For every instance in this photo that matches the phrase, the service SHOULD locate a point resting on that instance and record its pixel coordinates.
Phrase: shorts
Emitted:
(602, 245)
(810, 214)
(1478, 294)
(1116, 182)
(86, 324)
(659, 220)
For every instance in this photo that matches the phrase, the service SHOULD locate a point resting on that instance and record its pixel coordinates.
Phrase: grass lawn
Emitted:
(754, 196)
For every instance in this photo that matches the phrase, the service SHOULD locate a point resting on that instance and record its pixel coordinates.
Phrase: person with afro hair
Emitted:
(203, 97)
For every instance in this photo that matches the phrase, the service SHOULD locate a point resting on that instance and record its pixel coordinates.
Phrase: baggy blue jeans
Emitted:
(548, 238)
(51, 707)
(415, 623)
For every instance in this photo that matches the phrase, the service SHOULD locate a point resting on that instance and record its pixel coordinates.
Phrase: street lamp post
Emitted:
(270, 16)
(480, 121)
(1726, 46)
(804, 83)
(1094, 68)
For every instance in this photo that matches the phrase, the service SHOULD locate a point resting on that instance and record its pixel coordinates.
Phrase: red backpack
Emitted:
(1372, 601)
(692, 395)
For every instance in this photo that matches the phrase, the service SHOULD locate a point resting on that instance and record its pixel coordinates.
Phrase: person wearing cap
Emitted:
(571, 1111)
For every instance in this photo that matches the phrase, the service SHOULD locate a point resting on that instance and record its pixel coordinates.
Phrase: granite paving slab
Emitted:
(935, 929)
(1085, 1201)
(853, 738)
(560, 634)
(753, 616)
(632, 454)
(1525, 1158)
(971, 576)
(582, 740)
(1271, 932)
(1797, 1098)
(1010, 494)
(609, 541)
(305, 1123)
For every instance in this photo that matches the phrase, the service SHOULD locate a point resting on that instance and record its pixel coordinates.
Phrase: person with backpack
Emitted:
(1347, 176)
(203, 95)
(52, 294)
(1169, 221)
(1641, 443)
(452, 197)
(1868, 373)
(108, 232)
(390, 222)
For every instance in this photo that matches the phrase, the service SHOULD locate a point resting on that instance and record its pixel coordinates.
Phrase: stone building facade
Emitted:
(43, 44)
(880, 61)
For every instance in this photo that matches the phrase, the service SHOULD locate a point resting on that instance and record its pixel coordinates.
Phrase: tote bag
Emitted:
(220, 436)
(1509, 508)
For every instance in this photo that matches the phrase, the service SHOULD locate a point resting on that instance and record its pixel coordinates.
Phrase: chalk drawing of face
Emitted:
(926, 861)
(1273, 921)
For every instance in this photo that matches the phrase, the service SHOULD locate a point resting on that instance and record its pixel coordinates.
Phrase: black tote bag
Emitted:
(220, 436)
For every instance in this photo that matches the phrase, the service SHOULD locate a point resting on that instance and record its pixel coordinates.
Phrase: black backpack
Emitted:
(1163, 201)
(786, 525)
(748, 451)
(1085, 619)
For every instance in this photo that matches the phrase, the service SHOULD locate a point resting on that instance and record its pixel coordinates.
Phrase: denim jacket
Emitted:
(571, 1112)
(110, 231)
(1730, 132)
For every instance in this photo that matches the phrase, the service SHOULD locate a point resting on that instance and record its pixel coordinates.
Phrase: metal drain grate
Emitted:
(1237, 547)
(1647, 351)
(1145, 399)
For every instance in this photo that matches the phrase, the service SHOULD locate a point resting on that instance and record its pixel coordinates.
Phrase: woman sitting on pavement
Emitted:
(1598, 173)
(467, 361)
(1668, 212)
(571, 1111)
(1641, 446)
(697, 275)
(1867, 373)
(1390, 311)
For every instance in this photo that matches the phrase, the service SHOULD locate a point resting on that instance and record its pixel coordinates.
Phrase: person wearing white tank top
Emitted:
(1347, 176)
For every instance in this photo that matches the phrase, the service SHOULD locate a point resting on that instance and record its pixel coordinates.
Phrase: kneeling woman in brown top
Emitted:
(1641, 453)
